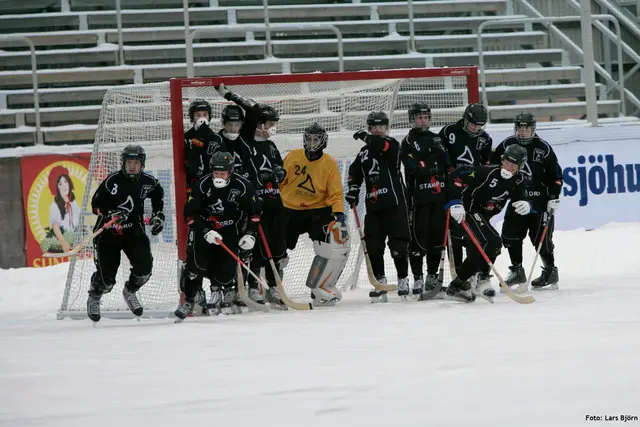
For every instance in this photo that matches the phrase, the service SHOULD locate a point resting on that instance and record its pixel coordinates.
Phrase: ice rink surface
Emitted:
(573, 353)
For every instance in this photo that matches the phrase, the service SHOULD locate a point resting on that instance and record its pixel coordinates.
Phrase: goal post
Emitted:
(155, 116)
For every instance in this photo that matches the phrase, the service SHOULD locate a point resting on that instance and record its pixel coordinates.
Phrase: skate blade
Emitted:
(460, 298)
(552, 287)
(487, 298)
(178, 320)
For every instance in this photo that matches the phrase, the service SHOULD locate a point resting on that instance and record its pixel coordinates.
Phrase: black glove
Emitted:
(279, 174)
(157, 223)
(361, 134)
(120, 215)
(353, 195)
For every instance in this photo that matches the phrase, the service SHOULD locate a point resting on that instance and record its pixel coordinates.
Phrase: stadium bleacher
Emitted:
(77, 53)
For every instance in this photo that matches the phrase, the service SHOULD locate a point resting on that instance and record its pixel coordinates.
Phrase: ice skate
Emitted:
(379, 296)
(418, 285)
(433, 288)
(215, 301)
(256, 295)
(483, 287)
(548, 279)
(93, 307)
(274, 300)
(516, 276)
(132, 301)
(403, 287)
(460, 290)
(228, 304)
(200, 304)
(184, 310)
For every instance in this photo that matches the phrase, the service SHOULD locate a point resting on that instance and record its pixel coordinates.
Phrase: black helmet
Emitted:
(132, 152)
(524, 120)
(199, 105)
(232, 113)
(376, 118)
(417, 109)
(315, 138)
(476, 114)
(515, 154)
(222, 161)
(268, 113)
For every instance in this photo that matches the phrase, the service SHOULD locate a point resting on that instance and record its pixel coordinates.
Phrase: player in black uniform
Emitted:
(219, 202)
(487, 190)
(467, 145)
(378, 166)
(200, 142)
(263, 164)
(544, 176)
(121, 195)
(425, 167)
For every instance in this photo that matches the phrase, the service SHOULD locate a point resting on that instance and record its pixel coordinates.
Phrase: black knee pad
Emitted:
(100, 285)
(135, 282)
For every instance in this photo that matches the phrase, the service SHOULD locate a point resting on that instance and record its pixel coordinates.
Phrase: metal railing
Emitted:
(34, 79)
(258, 27)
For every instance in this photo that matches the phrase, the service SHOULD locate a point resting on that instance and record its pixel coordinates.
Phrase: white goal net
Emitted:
(142, 114)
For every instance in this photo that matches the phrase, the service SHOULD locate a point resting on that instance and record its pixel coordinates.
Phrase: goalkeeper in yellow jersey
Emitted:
(313, 203)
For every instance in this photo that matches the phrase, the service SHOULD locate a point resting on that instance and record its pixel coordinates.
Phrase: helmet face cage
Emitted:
(524, 127)
(419, 109)
(475, 114)
(133, 152)
(199, 105)
(315, 138)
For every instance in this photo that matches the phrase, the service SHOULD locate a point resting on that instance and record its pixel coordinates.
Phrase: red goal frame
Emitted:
(177, 122)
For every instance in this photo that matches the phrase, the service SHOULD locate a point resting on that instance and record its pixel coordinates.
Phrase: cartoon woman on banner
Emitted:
(64, 212)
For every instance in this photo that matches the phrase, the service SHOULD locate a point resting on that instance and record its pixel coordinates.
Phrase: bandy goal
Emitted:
(155, 116)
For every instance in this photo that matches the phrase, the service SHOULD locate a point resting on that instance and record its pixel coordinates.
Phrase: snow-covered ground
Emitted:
(573, 353)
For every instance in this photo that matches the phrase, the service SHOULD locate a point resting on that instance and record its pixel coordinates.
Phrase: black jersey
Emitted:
(464, 149)
(199, 146)
(238, 148)
(542, 172)
(425, 167)
(378, 166)
(486, 192)
(119, 192)
(223, 209)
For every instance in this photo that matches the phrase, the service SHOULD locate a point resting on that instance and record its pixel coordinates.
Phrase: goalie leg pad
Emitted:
(326, 268)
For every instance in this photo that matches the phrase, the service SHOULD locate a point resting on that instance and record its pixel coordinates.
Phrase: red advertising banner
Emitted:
(52, 191)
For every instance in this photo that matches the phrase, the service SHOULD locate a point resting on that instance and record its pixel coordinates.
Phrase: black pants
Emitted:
(427, 237)
(489, 240)
(274, 227)
(314, 222)
(515, 229)
(209, 260)
(390, 225)
(106, 256)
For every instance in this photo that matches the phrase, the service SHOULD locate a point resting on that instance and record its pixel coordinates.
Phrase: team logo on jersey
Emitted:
(266, 164)
(538, 155)
(466, 157)
(217, 208)
(233, 195)
(127, 205)
(526, 170)
(481, 143)
(307, 184)
(195, 142)
(145, 190)
(375, 193)
(212, 148)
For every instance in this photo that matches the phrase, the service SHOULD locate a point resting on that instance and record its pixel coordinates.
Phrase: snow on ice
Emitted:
(572, 355)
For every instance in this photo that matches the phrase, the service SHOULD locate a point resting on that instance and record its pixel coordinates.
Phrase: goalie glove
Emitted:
(353, 195)
(247, 242)
(157, 223)
(339, 228)
(522, 207)
(458, 213)
(213, 237)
